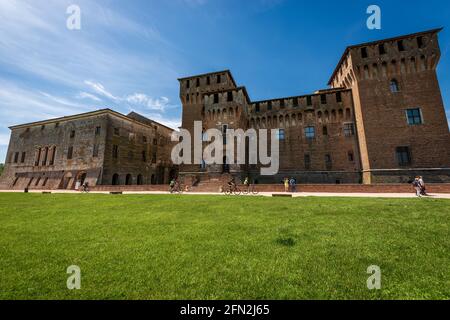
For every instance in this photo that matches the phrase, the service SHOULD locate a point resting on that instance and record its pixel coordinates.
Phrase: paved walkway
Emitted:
(265, 194)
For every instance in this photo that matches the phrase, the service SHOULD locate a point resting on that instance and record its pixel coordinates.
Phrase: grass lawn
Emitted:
(215, 247)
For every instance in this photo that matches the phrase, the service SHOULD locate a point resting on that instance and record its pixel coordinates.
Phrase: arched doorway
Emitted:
(129, 180)
(115, 179)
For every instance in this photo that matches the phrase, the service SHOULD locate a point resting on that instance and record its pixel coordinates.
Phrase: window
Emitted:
(229, 96)
(349, 129)
(219, 78)
(52, 158)
(394, 86)
(420, 42)
(116, 131)
(281, 134)
(257, 108)
(57, 125)
(208, 80)
(144, 156)
(198, 82)
(144, 139)
(338, 97)
(16, 157)
(269, 105)
(282, 104)
(325, 130)
(307, 161)
(216, 98)
(155, 142)
(308, 100)
(98, 130)
(414, 116)
(188, 84)
(224, 133)
(95, 151)
(72, 134)
(381, 49)
(70, 153)
(22, 160)
(154, 157)
(400, 45)
(115, 151)
(403, 156)
(323, 99)
(328, 162)
(310, 132)
(350, 156)
(295, 102)
(187, 98)
(43, 127)
(364, 53)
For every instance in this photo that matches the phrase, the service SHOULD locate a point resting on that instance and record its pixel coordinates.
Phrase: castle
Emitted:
(382, 120)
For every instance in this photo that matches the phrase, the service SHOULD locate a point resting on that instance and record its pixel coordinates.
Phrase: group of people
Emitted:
(290, 184)
(419, 186)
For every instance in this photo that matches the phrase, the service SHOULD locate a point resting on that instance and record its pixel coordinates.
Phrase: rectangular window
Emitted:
(16, 157)
(52, 158)
(188, 84)
(198, 82)
(230, 96)
(310, 132)
(349, 129)
(364, 53)
(216, 98)
(95, 151)
(116, 131)
(208, 80)
(414, 116)
(308, 100)
(72, 134)
(307, 162)
(154, 157)
(401, 46)
(257, 108)
(282, 104)
(338, 97)
(115, 151)
(269, 105)
(144, 156)
(70, 153)
(351, 157)
(382, 49)
(224, 133)
(98, 130)
(155, 142)
(403, 156)
(328, 162)
(325, 130)
(22, 160)
(420, 42)
(323, 99)
(281, 134)
(219, 78)
(295, 102)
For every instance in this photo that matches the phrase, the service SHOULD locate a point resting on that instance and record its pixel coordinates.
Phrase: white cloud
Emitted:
(100, 89)
(85, 95)
(144, 100)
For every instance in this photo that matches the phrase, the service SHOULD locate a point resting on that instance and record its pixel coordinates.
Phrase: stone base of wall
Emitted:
(406, 176)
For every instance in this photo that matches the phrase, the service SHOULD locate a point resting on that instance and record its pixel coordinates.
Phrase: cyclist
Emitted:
(247, 183)
(85, 187)
(172, 184)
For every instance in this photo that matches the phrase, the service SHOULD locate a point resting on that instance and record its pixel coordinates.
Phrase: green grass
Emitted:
(214, 247)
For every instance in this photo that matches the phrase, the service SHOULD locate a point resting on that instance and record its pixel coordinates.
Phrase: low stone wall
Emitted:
(330, 188)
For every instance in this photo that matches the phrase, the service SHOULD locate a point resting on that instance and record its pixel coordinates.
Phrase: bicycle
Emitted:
(233, 189)
(85, 188)
(250, 189)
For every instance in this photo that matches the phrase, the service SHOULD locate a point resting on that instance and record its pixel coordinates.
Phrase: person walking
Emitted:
(423, 189)
(286, 185)
(293, 184)
(417, 187)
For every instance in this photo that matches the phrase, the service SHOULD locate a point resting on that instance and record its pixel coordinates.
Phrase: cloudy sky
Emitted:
(128, 54)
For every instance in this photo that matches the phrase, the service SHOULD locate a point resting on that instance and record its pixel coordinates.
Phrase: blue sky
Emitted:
(128, 54)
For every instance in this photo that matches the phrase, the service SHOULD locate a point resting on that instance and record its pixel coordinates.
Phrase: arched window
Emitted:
(115, 180)
(129, 180)
(394, 86)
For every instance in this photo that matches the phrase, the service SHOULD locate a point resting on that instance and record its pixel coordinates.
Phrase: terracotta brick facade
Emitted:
(382, 121)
